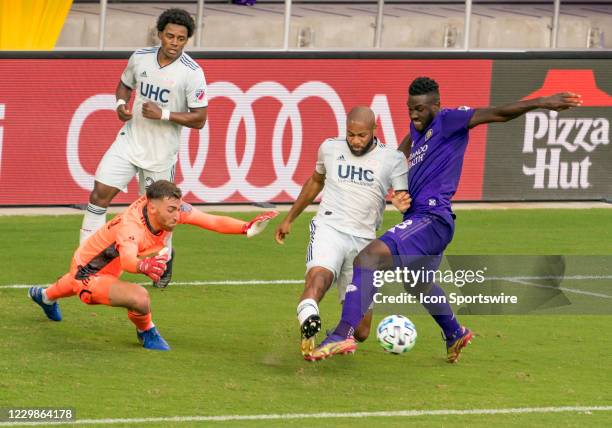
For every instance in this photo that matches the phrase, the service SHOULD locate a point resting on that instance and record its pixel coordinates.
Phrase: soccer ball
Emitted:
(396, 334)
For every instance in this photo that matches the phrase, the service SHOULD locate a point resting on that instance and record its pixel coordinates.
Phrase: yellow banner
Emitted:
(31, 24)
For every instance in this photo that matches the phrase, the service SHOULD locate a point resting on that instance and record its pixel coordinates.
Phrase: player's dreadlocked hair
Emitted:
(163, 189)
(178, 17)
(423, 86)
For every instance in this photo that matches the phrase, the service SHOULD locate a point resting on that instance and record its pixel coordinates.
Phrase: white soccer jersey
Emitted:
(153, 144)
(356, 186)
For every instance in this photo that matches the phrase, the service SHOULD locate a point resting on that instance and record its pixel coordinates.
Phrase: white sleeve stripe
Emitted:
(187, 64)
(145, 51)
(186, 58)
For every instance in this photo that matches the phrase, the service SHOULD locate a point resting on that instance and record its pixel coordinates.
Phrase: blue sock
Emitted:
(359, 295)
(442, 313)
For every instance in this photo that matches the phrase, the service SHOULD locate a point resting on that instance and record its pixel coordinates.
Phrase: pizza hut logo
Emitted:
(559, 146)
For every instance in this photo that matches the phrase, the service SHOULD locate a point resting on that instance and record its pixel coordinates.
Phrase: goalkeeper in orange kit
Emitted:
(135, 241)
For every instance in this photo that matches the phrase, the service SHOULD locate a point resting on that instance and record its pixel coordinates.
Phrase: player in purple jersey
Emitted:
(435, 148)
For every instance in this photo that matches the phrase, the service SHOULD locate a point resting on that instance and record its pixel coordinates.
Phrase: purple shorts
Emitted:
(418, 235)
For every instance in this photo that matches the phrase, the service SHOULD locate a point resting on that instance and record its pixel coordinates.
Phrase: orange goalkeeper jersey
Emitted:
(112, 248)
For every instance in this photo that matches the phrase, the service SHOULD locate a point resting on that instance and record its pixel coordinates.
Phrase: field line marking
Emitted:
(557, 277)
(229, 282)
(524, 280)
(569, 290)
(287, 416)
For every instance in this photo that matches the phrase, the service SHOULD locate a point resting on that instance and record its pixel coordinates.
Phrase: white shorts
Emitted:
(335, 251)
(117, 171)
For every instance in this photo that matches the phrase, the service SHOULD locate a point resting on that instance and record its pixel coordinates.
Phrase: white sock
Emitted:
(142, 331)
(94, 219)
(45, 299)
(306, 308)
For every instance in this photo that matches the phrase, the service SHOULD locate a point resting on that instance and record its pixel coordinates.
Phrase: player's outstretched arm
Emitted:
(225, 224)
(506, 112)
(194, 118)
(310, 190)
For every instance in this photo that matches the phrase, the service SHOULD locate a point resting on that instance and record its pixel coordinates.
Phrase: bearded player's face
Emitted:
(359, 135)
(167, 213)
(173, 40)
(422, 109)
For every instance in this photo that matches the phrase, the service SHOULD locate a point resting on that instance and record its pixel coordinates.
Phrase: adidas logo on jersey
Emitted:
(143, 74)
(341, 158)
(350, 288)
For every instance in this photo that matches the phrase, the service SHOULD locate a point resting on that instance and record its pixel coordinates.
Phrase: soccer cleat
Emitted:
(309, 329)
(166, 277)
(455, 344)
(332, 345)
(140, 337)
(51, 311)
(151, 339)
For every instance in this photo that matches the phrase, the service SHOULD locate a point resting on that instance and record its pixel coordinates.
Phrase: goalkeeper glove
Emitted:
(258, 224)
(153, 267)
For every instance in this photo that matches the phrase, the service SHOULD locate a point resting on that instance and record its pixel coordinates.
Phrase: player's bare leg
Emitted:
(136, 299)
(376, 255)
(131, 296)
(95, 215)
(318, 281)
(363, 329)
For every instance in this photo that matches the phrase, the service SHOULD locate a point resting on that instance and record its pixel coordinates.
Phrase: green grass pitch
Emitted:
(235, 348)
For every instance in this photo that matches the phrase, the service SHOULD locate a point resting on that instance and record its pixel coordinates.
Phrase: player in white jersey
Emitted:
(170, 92)
(357, 173)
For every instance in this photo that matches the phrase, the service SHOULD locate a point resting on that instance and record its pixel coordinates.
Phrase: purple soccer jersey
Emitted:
(436, 159)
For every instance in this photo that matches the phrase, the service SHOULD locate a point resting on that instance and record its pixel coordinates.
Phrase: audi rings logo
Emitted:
(242, 112)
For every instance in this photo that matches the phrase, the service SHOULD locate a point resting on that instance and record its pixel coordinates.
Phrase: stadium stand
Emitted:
(351, 25)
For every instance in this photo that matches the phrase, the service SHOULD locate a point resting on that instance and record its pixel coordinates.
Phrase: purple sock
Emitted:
(442, 313)
(359, 295)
